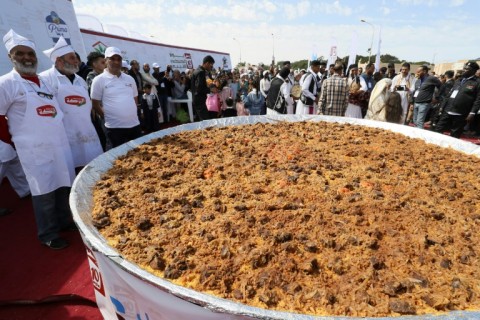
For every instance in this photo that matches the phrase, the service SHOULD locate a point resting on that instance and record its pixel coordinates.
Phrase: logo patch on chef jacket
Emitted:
(47, 111)
(75, 100)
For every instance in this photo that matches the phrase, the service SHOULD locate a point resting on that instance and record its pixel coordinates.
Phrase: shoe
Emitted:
(4, 211)
(56, 244)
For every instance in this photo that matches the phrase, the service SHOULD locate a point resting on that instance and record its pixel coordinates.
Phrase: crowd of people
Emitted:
(55, 122)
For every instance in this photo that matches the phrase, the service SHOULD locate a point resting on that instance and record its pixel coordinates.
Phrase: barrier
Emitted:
(171, 106)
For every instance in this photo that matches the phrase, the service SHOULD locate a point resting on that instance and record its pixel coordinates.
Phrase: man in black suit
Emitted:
(463, 102)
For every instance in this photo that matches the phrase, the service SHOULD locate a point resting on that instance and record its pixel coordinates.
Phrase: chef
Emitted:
(72, 96)
(35, 122)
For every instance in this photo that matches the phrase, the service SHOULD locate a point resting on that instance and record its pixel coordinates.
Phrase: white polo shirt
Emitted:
(117, 96)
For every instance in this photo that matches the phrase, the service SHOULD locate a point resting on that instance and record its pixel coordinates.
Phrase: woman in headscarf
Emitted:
(378, 99)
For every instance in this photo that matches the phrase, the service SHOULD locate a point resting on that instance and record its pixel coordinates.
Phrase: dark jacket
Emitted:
(199, 85)
(444, 91)
(138, 82)
(467, 98)
(425, 89)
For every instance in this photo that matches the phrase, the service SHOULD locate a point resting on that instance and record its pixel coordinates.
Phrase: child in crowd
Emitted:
(240, 106)
(230, 110)
(214, 103)
(152, 113)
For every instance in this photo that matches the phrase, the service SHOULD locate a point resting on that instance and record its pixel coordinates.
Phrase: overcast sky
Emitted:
(414, 30)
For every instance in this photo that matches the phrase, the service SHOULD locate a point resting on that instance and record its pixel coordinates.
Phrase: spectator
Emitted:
(254, 101)
(125, 67)
(83, 69)
(200, 89)
(393, 108)
(114, 96)
(334, 97)
(96, 61)
(164, 86)
(134, 72)
(36, 126)
(150, 109)
(438, 110)
(147, 77)
(310, 83)
(423, 95)
(378, 101)
(463, 102)
(230, 110)
(358, 95)
(213, 102)
(404, 84)
(391, 71)
(278, 97)
(368, 76)
(72, 96)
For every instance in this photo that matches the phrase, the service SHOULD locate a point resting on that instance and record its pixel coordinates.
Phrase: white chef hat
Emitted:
(13, 39)
(61, 48)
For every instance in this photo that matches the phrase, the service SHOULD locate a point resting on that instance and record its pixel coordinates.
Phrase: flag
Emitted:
(332, 56)
(377, 59)
(352, 58)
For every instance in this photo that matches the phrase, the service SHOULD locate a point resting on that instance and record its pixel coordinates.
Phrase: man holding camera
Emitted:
(404, 84)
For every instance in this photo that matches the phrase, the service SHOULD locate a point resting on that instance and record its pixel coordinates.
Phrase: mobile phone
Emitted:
(401, 88)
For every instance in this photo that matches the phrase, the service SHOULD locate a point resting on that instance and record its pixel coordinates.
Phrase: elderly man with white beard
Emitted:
(36, 126)
(72, 96)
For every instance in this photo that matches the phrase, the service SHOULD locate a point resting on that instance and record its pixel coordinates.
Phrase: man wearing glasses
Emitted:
(37, 130)
(462, 103)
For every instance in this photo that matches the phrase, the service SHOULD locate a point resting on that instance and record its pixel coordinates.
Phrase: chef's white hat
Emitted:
(61, 48)
(13, 39)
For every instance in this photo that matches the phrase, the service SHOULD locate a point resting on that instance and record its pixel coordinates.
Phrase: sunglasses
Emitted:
(45, 95)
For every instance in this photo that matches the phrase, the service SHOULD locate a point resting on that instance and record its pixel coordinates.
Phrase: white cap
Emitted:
(111, 51)
(265, 73)
(125, 64)
(12, 39)
(155, 65)
(60, 49)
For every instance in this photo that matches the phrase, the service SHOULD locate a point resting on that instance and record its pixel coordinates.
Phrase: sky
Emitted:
(255, 30)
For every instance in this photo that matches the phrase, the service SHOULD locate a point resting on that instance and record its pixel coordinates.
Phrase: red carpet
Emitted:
(30, 271)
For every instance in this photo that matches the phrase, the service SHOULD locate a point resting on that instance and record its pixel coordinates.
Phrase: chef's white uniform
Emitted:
(35, 122)
(76, 105)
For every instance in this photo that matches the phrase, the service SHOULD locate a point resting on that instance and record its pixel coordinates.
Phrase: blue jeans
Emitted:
(52, 213)
(420, 111)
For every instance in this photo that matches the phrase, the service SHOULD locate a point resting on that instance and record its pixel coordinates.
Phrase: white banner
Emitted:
(149, 52)
(120, 295)
(42, 21)
(377, 58)
(352, 58)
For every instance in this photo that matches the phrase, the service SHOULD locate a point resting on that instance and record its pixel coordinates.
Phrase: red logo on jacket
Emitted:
(75, 100)
(47, 111)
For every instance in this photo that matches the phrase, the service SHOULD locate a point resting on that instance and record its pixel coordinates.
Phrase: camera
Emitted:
(401, 88)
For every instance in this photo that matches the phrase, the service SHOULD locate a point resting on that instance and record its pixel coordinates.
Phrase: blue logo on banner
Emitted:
(56, 27)
(120, 310)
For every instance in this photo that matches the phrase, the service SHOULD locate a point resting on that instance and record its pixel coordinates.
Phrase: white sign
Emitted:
(180, 58)
(42, 21)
